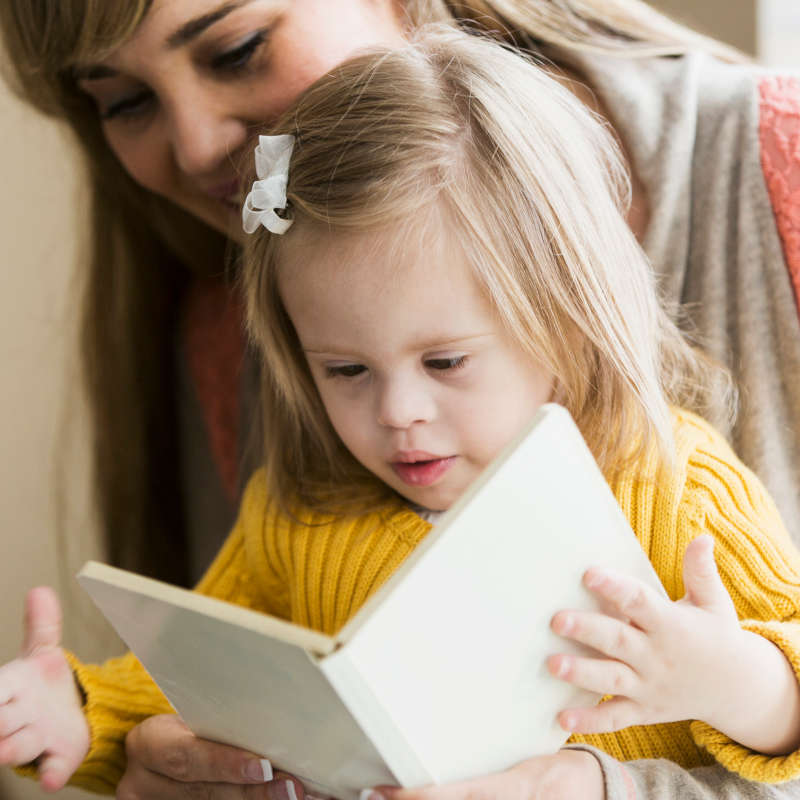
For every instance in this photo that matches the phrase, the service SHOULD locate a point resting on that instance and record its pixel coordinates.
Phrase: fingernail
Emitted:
(281, 790)
(566, 623)
(593, 578)
(258, 769)
(563, 667)
(370, 794)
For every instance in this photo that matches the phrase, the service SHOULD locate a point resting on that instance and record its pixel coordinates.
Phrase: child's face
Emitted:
(419, 380)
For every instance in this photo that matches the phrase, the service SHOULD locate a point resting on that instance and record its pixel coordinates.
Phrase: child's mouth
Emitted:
(422, 473)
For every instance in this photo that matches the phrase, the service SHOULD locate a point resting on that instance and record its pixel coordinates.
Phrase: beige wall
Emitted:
(732, 21)
(40, 229)
(769, 29)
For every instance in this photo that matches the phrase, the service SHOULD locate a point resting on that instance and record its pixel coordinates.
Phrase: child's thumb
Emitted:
(701, 580)
(42, 620)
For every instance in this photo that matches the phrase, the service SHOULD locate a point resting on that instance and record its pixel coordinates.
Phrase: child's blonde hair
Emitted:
(535, 188)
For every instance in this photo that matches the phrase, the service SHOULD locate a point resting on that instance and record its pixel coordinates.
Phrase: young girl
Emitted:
(439, 249)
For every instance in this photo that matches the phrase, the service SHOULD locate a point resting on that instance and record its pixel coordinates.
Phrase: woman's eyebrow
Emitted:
(186, 33)
(194, 27)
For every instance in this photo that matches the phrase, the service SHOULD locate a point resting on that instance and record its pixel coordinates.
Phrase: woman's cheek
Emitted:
(144, 158)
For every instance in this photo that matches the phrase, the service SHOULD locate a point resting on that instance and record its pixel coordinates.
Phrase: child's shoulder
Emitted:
(714, 477)
(703, 453)
(693, 432)
(261, 510)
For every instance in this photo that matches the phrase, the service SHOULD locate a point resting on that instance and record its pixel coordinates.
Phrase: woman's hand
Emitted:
(41, 716)
(166, 760)
(565, 775)
(665, 661)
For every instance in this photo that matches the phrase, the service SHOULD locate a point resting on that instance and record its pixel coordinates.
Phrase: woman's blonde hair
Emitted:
(535, 188)
(627, 28)
(143, 248)
(136, 269)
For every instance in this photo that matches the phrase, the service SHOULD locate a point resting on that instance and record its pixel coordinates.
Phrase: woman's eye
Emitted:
(446, 363)
(345, 371)
(239, 57)
(129, 107)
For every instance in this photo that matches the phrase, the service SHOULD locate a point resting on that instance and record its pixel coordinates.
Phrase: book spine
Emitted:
(374, 719)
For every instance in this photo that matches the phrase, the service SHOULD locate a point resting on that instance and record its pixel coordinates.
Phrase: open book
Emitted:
(441, 675)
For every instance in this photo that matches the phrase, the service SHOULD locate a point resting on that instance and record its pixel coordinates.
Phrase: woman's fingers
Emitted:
(565, 775)
(165, 760)
(165, 746)
(140, 784)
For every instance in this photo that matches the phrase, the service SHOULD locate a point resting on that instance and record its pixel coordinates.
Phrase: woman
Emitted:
(163, 97)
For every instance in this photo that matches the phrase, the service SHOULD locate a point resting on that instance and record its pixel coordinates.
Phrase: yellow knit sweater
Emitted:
(319, 574)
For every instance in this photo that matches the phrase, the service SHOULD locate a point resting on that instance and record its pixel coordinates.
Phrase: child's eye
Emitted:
(345, 371)
(238, 57)
(133, 105)
(446, 363)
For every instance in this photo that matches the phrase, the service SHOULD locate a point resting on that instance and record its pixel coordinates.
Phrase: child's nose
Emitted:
(403, 405)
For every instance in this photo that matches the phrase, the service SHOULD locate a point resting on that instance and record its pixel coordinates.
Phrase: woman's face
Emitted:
(183, 98)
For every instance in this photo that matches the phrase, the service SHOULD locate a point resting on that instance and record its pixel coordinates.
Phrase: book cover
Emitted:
(441, 675)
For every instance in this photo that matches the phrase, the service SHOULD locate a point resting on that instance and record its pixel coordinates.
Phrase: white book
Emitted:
(441, 675)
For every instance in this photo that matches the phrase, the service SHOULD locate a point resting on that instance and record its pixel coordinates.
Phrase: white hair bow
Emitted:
(272, 167)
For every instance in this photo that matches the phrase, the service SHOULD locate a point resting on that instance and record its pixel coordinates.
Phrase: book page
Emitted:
(231, 681)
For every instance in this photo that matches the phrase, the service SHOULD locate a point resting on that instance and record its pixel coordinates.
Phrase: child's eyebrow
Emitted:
(423, 344)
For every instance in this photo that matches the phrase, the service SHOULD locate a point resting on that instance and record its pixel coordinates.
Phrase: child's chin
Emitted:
(430, 499)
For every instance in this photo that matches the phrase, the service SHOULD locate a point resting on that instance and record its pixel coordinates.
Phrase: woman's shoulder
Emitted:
(779, 135)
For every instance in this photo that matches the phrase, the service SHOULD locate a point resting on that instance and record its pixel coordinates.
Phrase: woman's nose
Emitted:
(403, 404)
(204, 135)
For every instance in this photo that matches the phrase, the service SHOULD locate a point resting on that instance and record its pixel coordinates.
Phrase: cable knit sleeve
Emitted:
(760, 567)
(120, 694)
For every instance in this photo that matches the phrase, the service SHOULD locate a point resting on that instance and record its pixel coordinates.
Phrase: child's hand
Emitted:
(40, 705)
(664, 661)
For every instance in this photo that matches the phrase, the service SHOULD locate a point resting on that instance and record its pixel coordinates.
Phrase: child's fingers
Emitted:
(600, 675)
(13, 716)
(42, 620)
(701, 580)
(14, 678)
(628, 596)
(613, 715)
(21, 747)
(55, 771)
(607, 635)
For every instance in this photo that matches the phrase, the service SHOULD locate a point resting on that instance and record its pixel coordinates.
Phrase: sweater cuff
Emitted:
(748, 763)
(617, 781)
(118, 698)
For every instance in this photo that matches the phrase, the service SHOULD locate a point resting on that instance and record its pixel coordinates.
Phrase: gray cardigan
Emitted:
(691, 127)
